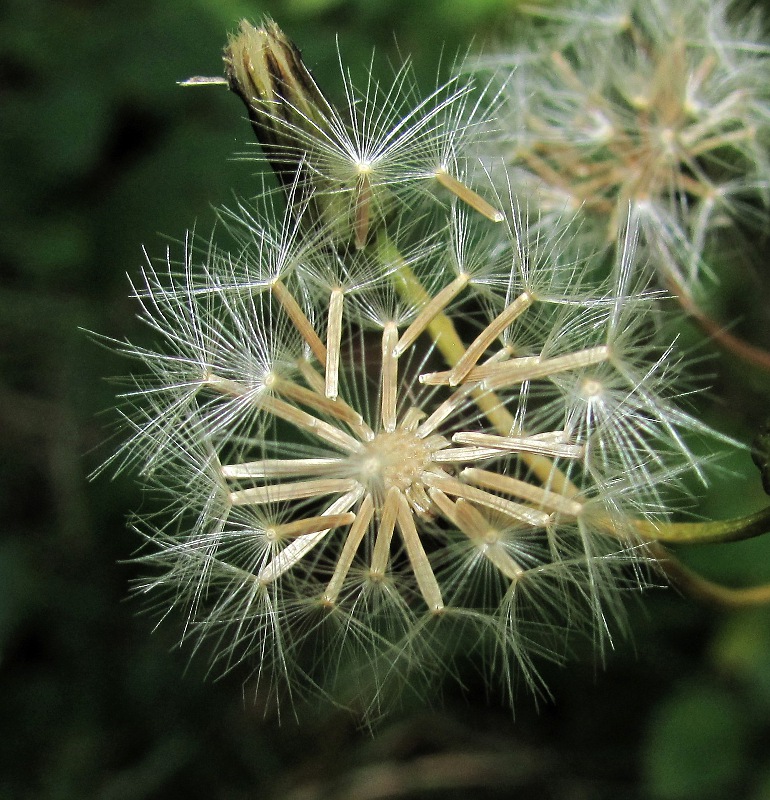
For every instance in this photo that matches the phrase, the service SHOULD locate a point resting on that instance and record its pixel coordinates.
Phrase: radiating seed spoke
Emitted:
(338, 407)
(466, 518)
(511, 374)
(519, 444)
(381, 552)
(411, 419)
(363, 202)
(299, 319)
(350, 548)
(296, 550)
(300, 527)
(429, 311)
(389, 382)
(423, 572)
(298, 490)
(522, 489)
(482, 372)
(468, 196)
(333, 339)
(457, 455)
(516, 511)
(307, 422)
(283, 467)
(482, 342)
(445, 410)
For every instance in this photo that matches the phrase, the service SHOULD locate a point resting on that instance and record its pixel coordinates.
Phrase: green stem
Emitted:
(718, 532)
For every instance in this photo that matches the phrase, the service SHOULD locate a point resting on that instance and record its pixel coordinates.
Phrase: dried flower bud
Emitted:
(293, 123)
(266, 71)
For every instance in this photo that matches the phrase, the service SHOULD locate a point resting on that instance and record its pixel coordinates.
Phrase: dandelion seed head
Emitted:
(668, 114)
(378, 436)
(348, 485)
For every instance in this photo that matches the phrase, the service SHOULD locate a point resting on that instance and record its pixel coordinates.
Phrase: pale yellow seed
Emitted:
(524, 490)
(511, 374)
(333, 339)
(298, 490)
(455, 455)
(389, 377)
(299, 319)
(320, 428)
(381, 553)
(423, 572)
(448, 407)
(429, 312)
(288, 530)
(282, 468)
(468, 196)
(487, 538)
(516, 511)
(519, 444)
(225, 385)
(352, 542)
(317, 402)
(481, 343)
(482, 372)
(412, 418)
(295, 551)
(337, 408)
(363, 204)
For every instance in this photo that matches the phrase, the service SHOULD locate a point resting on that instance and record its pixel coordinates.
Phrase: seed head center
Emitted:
(590, 387)
(390, 459)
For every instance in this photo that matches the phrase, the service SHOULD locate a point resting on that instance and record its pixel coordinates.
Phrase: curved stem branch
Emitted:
(700, 588)
(749, 353)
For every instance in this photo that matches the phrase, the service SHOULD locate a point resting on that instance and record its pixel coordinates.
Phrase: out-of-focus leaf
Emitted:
(313, 6)
(696, 746)
(18, 591)
(741, 651)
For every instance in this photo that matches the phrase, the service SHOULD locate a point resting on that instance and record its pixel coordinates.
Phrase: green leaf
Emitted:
(696, 746)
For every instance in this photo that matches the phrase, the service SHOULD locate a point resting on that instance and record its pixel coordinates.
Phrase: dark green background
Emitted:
(100, 152)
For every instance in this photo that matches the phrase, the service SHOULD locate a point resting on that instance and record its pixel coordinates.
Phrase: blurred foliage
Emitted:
(99, 151)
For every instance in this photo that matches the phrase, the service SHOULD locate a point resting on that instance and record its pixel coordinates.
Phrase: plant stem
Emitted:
(749, 353)
(717, 532)
(704, 590)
